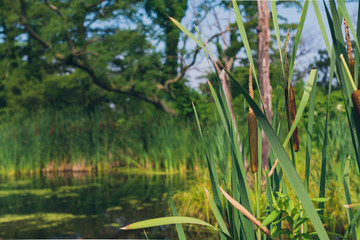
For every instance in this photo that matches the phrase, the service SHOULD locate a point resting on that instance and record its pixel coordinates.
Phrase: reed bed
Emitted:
(73, 140)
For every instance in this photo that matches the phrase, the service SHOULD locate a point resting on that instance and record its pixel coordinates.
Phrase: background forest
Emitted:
(94, 80)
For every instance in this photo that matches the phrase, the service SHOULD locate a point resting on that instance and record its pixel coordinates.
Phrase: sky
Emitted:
(311, 39)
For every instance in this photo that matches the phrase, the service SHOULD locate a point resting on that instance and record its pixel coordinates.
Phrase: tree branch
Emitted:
(186, 67)
(24, 22)
(74, 61)
(68, 36)
(158, 103)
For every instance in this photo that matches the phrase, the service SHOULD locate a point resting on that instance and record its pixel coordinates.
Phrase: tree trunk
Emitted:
(264, 70)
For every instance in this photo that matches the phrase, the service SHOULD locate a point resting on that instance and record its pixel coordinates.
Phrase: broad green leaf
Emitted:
(155, 222)
(270, 218)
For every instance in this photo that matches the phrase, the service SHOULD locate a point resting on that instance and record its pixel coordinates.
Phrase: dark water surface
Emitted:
(92, 206)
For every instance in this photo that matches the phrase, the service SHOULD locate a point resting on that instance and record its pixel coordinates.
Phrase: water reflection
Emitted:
(85, 206)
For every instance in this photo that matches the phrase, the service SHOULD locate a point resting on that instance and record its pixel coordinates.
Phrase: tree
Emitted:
(264, 70)
(95, 44)
(159, 12)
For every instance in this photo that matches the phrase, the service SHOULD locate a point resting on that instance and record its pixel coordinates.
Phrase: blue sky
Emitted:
(311, 40)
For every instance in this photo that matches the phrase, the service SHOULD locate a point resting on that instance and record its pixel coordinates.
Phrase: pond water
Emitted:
(92, 206)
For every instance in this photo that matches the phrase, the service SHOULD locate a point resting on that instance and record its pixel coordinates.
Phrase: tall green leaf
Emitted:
(179, 229)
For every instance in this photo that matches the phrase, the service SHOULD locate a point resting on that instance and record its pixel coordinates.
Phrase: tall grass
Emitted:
(75, 140)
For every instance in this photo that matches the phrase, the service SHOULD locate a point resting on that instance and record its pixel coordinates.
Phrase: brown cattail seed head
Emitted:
(293, 115)
(356, 100)
(251, 90)
(252, 125)
(349, 49)
(253, 141)
(291, 103)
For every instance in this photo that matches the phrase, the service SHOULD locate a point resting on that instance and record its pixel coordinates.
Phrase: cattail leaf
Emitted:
(357, 50)
(309, 135)
(217, 214)
(276, 27)
(321, 25)
(336, 34)
(211, 165)
(352, 226)
(297, 38)
(155, 222)
(346, 184)
(179, 229)
(238, 175)
(245, 41)
(344, 11)
(245, 212)
(189, 34)
(320, 199)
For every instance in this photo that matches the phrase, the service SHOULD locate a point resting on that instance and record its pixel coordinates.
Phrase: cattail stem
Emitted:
(252, 125)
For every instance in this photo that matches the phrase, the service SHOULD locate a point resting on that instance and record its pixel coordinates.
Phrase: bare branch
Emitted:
(221, 31)
(186, 67)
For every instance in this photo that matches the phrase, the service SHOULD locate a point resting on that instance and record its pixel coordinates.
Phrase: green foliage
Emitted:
(291, 217)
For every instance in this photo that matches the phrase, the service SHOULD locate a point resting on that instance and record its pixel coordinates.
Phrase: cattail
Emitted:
(356, 94)
(252, 124)
(349, 49)
(356, 100)
(293, 115)
(290, 102)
